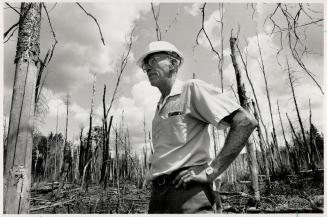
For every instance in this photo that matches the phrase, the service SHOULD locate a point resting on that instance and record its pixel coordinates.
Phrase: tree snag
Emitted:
(17, 181)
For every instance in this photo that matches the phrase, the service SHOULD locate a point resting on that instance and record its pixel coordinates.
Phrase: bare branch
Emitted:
(174, 21)
(12, 8)
(53, 34)
(237, 99)
(294, 34)
(121, 70)
(10, 29)
(46, 60)
(252, 87)
(205, 33)
(252, 7)
(90, 15)
(40, 86)
(156, 17)
(21, 17)
(53, 7)
(298, 26)
(12, 33)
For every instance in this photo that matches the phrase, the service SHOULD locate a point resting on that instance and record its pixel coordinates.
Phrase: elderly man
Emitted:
(181, 168)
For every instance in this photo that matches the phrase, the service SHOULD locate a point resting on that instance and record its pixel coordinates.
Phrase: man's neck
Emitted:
(166, 87)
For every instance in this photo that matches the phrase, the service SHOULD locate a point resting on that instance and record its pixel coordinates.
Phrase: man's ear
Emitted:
(173, 65)
(174, 62)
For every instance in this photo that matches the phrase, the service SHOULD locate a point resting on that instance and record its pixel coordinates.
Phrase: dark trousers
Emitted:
(195, 198)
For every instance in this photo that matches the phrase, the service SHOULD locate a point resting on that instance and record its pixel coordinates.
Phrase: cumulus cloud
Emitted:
(55, 103)
(80, 114)
(266, 43)
(194, 10)
(139, 75)
(145, 95)
(57, 106)
(140, 105)
(82, 51)
(259, 7)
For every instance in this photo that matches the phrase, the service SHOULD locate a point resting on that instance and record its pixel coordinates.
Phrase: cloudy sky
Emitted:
(80, 52)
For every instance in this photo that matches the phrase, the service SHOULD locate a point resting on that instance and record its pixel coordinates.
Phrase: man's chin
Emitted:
(154, 82)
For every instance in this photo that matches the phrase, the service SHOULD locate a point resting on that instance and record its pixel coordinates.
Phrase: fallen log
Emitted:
(233, 193)
(231, 209)
(53, 205)
(136, 200)
(39, 199)
(284, 210)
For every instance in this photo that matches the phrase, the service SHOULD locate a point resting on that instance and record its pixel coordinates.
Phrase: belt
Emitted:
(167, 179)
(163, 180)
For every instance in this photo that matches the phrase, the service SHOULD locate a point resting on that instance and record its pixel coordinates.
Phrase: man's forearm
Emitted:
(236, 139)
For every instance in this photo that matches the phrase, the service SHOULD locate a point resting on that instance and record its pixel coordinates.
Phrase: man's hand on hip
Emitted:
(193, 174)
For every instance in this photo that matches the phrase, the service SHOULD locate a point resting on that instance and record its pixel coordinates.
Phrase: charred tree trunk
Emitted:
(104, 143)
(244, 103)
(56, 149)
(313, 144)
(298, 164)
(87, 165)
(129, 151)
(291, 155)
(88, 151)
(310, 159)
(81, 162)
(117, 169)
(65, 160)
(106, 136)
(67, 102)
(274, 136)
(45, 171)
(125, 160)
(66, 166)
(18, 164)
(262, 148)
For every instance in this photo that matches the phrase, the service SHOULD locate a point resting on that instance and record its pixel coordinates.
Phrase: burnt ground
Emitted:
(96, 200)
(288, 194)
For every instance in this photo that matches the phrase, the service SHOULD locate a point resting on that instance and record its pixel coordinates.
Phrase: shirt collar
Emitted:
(176, 89)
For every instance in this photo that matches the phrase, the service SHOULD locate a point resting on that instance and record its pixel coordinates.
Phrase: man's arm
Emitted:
(242, 125)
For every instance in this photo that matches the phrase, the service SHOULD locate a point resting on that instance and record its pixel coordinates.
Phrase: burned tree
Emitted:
(309, 151)
(20, 135)
(295, 31)
(274, 136)
(245, 104)
(218, 54)
(106, 125)
(66, 160)
(88, 149)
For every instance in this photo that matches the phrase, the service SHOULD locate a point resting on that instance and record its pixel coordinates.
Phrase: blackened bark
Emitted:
(18, 164)
(244, 103)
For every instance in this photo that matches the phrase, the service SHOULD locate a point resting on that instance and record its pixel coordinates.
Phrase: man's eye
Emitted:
(151, 61)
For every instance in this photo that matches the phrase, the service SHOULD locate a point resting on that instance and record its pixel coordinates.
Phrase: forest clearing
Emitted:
(292, 194)
(77, 118)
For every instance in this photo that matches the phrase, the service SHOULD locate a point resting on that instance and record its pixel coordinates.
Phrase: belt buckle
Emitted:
(159, 181)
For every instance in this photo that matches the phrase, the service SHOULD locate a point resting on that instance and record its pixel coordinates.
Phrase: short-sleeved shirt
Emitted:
(180, 125)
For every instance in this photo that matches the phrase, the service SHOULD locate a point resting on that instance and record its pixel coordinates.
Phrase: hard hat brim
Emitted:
(140, 61)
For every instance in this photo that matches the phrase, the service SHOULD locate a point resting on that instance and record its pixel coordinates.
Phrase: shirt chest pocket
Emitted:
(173, 129)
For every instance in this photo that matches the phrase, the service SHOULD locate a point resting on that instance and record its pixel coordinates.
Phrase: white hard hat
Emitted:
(159, 46)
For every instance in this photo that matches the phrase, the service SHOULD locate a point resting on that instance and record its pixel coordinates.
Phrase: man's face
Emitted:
(157, 66)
